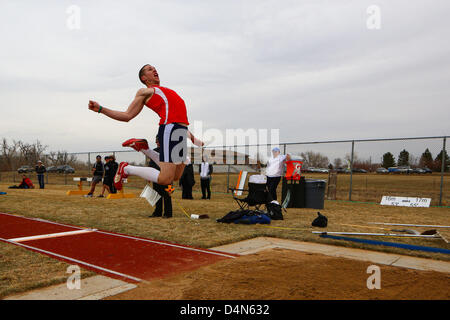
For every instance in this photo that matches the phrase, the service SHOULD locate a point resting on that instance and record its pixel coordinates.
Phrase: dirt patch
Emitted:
(287, 274)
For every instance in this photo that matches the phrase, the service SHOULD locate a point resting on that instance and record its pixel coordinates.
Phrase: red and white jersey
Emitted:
(168, 105)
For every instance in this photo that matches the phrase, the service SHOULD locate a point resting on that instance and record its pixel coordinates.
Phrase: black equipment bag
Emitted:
(321, 221)
(274, 211)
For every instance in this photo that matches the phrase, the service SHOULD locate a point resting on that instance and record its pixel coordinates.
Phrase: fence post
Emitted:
(228, 177)
(351, 172)
(443, 163)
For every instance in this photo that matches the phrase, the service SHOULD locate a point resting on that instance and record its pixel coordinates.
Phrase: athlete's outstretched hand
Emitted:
(93, 106)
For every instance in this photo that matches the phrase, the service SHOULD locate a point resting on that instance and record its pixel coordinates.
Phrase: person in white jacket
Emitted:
(274, 170)
(205, 169)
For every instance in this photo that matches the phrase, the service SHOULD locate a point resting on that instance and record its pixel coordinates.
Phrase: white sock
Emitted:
(152, 154)
(147, 173)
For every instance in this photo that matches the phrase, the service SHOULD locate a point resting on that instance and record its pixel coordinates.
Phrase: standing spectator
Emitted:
(114, 167)
(110, 171)
(205, 169)
(40, 170)
(165, 202)
(187, 181)
(274, 171)
(97, 171)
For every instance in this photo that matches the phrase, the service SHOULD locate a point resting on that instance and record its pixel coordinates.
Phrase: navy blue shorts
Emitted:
(172, 142)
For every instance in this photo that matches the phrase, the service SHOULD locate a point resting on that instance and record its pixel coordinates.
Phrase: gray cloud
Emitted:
(310, 68)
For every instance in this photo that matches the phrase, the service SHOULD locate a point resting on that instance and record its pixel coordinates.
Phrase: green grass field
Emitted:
(21, 270)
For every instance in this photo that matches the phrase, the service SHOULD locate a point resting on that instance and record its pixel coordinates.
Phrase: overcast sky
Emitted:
(312, 69)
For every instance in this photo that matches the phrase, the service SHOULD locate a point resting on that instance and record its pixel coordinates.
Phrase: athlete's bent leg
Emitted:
(179, 171)
(163, 177)
(152, 154)
(141, 145)
(167, 173)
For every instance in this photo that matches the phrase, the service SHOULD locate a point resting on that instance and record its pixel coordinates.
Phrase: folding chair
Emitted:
(257, 193)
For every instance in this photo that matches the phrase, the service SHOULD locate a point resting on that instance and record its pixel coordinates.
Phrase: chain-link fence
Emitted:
(417, 170)
(356, 162)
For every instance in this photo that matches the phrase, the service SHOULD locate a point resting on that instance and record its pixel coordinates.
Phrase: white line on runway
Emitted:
(52, 235)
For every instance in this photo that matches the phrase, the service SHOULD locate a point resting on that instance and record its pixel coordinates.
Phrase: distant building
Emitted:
(219, 156)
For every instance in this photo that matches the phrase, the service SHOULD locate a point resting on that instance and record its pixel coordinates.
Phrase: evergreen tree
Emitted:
(438, 161)
(388, 160)
(426, 159)
(403, 158)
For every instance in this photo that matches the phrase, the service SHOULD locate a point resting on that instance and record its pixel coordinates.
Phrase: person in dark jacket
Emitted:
(97, 171)
(114, 166)
(205, 169)
(40, 170)
(110, 171)
(165, 202)
(187, 181)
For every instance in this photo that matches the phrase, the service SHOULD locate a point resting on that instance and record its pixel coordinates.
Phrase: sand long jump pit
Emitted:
(272, 268)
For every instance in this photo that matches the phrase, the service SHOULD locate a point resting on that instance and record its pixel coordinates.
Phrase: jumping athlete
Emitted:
(172, 131)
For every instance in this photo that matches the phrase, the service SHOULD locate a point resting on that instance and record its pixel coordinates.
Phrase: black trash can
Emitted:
(296, 189)
(314, 193)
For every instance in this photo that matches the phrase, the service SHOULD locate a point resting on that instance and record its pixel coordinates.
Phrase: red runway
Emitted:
(120, 256)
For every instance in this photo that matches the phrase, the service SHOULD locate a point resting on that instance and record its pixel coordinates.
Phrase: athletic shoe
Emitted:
(136, 144)
(169, 189)
(89, 195)
(120, 175)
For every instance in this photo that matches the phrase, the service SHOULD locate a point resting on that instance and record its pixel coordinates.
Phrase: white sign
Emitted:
(405, 201)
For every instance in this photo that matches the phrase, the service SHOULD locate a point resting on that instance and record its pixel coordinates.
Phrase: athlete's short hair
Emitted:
(141, 72)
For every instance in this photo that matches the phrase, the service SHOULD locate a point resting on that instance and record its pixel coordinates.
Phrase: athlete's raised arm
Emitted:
(194, 140)
(133, 110)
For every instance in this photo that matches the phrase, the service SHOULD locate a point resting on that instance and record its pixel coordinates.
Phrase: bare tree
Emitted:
(17, 153)
(31, 153)
(315, 159)
(59, 158)
(5, 156)
(9, 155)
(348, 157)
(413, 160)
(337, 163)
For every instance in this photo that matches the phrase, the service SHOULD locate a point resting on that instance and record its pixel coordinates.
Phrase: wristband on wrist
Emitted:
(100, 109)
